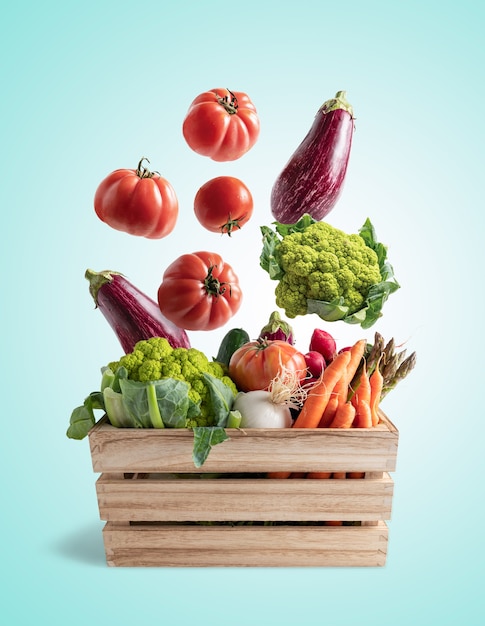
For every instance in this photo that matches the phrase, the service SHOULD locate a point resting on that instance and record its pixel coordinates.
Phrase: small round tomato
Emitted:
(221, 124)
(223, 204)
(199, 291)
(256, 363)
(138, 202)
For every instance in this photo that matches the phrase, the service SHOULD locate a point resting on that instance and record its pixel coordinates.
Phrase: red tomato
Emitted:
(138, 202)
(255, 364)
(199, 291)
(221, 124)
(223, 204)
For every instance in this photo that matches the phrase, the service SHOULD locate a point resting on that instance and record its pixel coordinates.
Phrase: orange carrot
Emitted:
(319, 474)
(344, 416)
(333, 523)
(278, 474)
(339, 475)
(319, 395)
(355, 474)
(356, 356)
(341, 390)
(376, 382)
(363, 417)
(331, 408)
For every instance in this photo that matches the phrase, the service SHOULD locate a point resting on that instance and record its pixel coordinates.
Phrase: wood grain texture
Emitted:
(249, 546)
(250, 450)
(242, 499)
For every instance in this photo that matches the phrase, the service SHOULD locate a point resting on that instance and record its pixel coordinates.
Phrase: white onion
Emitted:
(258, 410)
(270, 408)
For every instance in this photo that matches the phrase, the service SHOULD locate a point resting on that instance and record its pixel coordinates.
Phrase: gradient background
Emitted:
(88, 87)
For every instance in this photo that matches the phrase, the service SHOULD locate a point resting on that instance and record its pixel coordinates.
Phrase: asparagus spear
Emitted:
(401, 372)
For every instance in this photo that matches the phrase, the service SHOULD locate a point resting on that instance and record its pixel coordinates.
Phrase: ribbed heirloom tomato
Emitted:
(256, 363)
(221, 124)
(199, 291)
(138, 202)
(223, 204)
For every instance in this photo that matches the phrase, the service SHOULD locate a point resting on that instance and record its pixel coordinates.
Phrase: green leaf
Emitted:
(115, 409)
(328, 311)
(205, 437)
(267, 259)
(107, 378)
(172, 399)
(82, 420)
(121, 374)
(222, 398)
(298, 227)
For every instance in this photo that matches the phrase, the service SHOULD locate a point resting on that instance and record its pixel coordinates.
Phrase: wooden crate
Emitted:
(161, 511)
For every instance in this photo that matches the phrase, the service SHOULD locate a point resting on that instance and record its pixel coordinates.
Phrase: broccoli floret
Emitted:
(155, 359)
(324, 263)
(150, 369)
(155, 348)
(143, 362)
(130, 361)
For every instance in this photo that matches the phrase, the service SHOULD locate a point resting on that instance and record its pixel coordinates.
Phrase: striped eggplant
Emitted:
(312, 180)
(131, 314)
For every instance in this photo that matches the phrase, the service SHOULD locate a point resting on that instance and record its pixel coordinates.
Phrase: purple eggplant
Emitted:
(312, 180)
(277, 328)
(131, 314)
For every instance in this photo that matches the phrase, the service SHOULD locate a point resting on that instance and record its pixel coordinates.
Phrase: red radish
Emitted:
(323, 342)
(131, 314)
(312, 180)
(315, 363)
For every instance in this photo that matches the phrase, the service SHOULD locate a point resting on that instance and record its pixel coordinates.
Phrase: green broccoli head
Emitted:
(155, 359)
(324, 263)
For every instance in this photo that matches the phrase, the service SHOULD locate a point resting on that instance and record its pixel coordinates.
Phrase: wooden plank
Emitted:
(241, 499)
(250, 546)
(250, 450)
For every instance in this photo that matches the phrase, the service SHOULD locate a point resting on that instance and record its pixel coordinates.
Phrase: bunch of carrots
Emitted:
(348, 393)
(333, 403)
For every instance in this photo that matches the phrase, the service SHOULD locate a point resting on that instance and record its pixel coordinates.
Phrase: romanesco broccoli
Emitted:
(154, 359)
(324, 263)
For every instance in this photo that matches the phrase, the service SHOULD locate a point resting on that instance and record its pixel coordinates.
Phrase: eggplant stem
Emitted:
(339, 102)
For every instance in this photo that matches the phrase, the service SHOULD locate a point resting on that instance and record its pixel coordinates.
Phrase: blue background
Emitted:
(88, 87)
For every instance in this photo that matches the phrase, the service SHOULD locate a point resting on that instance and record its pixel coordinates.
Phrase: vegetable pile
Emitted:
(265, 380)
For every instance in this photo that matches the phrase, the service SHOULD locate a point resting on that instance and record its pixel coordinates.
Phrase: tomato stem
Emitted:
(231, 105)
(213, 285)
(142, 171)
(230, 225)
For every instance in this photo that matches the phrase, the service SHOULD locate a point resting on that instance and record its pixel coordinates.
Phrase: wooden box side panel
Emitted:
(259, 499)
(212, 546)
(251, 450)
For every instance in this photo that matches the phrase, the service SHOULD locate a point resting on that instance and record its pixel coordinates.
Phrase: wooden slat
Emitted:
(212, 546)
(242, 499)
(251, 450)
